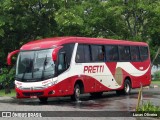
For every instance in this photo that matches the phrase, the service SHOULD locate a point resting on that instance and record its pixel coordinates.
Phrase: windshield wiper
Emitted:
(44, 64)
(33, 66)
(27, 68)
(24, 71)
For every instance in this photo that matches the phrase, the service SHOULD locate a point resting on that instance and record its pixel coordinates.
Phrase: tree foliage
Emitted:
(25, 20)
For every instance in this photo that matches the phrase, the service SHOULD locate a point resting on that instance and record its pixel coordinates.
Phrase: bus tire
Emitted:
(126, 90)
(96, 94)
(43, 99)
(127, 87)
(77, 92)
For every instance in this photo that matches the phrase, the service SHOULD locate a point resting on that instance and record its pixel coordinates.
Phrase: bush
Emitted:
(7, 78)
(156, 75)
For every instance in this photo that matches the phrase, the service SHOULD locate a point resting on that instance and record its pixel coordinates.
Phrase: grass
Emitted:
(12, 94)
(149, 107)
(156, 82)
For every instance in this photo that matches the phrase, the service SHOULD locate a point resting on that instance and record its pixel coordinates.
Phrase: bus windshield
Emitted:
(35, 65)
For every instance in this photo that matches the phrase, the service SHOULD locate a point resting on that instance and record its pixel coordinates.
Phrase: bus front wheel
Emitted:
(77, 92)
(43, 99)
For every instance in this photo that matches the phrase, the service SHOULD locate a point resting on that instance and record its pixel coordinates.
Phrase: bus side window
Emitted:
(80, 54)
(83, 54)
(135, 53)
(143, 53)
(111, 52)
(98, 53)
(124, 53)
(101, 53)
(87, 53)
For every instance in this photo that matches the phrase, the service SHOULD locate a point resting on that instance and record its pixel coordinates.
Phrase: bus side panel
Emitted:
(145, 79)
(135, 81)
(93, 85)
(137, 72)
(89, 84)
(65, 87)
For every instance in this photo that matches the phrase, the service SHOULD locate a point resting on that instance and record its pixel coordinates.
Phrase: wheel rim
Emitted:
(77, 93)
(127, 88)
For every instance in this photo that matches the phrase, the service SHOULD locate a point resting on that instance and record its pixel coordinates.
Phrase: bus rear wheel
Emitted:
(126, 90)
(43, 99)
(77, 92)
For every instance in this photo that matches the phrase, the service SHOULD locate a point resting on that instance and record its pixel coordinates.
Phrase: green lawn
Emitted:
(12, 94)
(156, 82)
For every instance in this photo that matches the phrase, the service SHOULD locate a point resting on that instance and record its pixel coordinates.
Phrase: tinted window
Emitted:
(124, 53)
(111, 53)
(83, 53)
(80, 54)
(135, 53)
(68, 49)
(62, 65)
(64, 57)
(144, 53)
(97, 53)
(87, 55)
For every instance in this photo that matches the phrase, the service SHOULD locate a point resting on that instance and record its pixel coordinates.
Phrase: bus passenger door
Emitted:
(63, 64)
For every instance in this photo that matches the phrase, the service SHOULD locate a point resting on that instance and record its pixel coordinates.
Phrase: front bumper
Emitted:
(47, 92)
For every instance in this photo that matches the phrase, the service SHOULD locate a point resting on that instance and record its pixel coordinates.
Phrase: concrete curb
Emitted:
(151, 86)
(154, 86)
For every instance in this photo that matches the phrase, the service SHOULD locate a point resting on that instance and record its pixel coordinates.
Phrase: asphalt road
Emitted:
(108, 103)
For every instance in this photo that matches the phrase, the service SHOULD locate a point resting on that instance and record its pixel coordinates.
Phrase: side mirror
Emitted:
(9, 57)
(55, 53)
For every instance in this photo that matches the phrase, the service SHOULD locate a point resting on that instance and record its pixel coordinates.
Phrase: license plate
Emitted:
(33, 96)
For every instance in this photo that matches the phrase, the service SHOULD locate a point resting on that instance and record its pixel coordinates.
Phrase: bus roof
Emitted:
(56, 41)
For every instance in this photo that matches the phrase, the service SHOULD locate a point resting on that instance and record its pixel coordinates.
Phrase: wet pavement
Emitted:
(108, 102)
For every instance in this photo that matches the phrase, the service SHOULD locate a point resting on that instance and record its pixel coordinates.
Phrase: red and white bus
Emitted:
(70, 66)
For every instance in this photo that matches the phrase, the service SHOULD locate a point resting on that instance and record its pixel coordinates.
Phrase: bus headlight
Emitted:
(50, 84)
(54, 82)
(17, 86)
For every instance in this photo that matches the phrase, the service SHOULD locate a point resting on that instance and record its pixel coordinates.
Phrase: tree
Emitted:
(22, 21)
